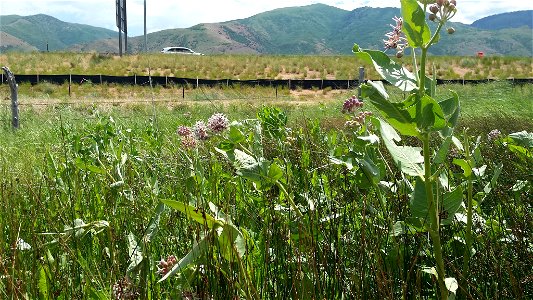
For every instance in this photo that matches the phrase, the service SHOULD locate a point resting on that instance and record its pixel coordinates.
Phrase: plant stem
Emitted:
(468, 233)
(422, 75)
(434, 230)
(291, 201)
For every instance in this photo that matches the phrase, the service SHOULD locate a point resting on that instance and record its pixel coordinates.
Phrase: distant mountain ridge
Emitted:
(506, 20)
(312, 29)
(40, 31)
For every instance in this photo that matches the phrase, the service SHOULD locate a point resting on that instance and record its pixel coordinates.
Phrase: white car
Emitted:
(179, 50)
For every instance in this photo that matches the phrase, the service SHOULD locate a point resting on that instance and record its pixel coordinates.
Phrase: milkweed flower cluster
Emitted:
(124, 290)
(351, 105)
(184, 130)
(165, 265)
(201, 131)
(395, 38)
(442, 11)
(493, 135)
(218, 123)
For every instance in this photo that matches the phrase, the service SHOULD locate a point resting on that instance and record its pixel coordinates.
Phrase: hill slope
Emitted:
(313, 29)
(506, 20)
(322, 29)
(40, 30)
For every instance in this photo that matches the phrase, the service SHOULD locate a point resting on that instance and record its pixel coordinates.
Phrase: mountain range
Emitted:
(313, 29)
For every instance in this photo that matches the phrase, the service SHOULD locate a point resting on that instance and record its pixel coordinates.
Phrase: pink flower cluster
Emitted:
(493, 135)
(395, 38)
(351, 104)
(165, 265)
(200, 131)
(124, 290)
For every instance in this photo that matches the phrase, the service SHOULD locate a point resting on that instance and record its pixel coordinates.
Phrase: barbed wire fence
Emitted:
(193, 91)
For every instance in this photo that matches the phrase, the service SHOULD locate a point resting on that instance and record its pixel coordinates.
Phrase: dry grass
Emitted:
(251, 66)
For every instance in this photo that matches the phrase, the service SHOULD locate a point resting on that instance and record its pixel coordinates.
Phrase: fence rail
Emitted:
(291, 84)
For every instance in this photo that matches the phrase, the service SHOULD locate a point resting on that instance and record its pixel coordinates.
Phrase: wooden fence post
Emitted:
(14, 96)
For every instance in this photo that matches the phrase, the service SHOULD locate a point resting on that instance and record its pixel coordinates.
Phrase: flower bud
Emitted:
(453, 2)
(451, 30)
(434, 9)
(451, 7)
(446, 3)
(399, 54)
(440, 2)
(432, 17)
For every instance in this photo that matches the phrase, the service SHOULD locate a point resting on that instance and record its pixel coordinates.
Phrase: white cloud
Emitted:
(165, 14)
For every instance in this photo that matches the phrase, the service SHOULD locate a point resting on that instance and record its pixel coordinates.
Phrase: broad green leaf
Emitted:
(226, 146)
(451, 203)
(451, 284)
(431, 271)
(465, 165)
(369, 173)
(451, 109)
(404, 227)
(442, 153)
(497, 171)
(227, 243)
(134, 253)
(154, 223)
(196, 251)
(395, 113)
(274, 172)
(426, 112)
(408, 159)
(389, 70)
(419, 203)
(86, 166)
(193, 213)
(415, 27)
(262, 172)
(522, 138)
(44, 291)
(235, 135)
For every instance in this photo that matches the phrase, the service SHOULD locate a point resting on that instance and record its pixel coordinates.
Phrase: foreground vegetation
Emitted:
(82, 187)
(415, 198)
(253, 67)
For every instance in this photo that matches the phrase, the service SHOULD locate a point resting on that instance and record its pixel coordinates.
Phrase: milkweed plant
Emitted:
(434, 202)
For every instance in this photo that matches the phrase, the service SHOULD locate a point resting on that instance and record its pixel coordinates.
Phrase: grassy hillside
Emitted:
(316, 29)
(322, 29)
(9, 42)
(506, 20)
(40, 30)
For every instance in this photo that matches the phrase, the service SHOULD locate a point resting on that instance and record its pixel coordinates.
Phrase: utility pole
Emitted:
(125, 29)
(145, 40)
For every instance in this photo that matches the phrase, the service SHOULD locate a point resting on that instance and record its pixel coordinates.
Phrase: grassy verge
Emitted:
(252, 67)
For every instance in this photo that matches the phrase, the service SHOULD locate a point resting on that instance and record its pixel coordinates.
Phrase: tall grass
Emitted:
(80, 189)
(250, 67)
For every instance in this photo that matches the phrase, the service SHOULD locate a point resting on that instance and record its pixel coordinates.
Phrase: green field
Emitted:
(83, 180)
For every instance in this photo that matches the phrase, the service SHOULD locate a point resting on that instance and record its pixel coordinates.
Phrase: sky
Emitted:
(167, 14)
